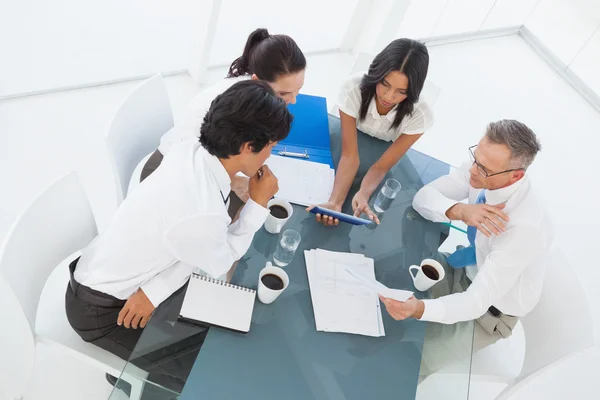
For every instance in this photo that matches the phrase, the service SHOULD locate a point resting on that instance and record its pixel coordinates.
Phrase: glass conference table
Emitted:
(283, 356)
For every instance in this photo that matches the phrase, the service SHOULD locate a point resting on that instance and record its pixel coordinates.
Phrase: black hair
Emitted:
(404, 55)
(268, 56)
(247, 112)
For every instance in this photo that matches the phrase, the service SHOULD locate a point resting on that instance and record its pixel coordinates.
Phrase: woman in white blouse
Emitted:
(276, 59)
(383, 103)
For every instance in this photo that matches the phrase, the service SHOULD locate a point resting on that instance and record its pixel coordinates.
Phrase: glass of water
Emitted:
(386, 195)
(288, 243)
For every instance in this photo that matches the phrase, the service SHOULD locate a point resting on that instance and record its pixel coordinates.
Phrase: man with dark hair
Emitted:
(498, 278)
(176, 221)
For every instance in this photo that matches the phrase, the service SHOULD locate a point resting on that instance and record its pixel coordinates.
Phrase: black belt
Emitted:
(89, 295)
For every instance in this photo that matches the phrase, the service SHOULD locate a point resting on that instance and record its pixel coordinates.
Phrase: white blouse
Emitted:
(379, 125)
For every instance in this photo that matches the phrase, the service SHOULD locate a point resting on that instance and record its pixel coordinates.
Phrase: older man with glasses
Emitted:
(498, 278)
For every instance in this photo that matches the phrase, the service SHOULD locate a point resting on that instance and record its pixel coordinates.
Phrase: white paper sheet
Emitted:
(378, 287)
(302, 182)
(341, 303)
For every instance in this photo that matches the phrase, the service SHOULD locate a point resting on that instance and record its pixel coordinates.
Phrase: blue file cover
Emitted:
(310, 130)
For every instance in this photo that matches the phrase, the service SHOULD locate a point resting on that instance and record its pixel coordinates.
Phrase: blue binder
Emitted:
(309, 136)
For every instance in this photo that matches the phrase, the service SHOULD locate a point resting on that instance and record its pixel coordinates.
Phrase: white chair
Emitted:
(560, 325)
(135, 131)
(32, 288)
(577, 375)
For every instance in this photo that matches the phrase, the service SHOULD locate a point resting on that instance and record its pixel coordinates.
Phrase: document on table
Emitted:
(341, 302)
(302, 182)
(378, 287)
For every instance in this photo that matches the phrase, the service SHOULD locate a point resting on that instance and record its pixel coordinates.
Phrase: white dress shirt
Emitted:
(197, 109)
(510, 267)
(376, 125)
(174, 222)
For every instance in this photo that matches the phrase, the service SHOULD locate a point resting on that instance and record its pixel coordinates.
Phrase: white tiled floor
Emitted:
(47, 135)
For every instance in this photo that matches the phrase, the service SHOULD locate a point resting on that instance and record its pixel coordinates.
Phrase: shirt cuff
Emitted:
(156, 291)
(254, 214)
(444, 205)
(435, 311)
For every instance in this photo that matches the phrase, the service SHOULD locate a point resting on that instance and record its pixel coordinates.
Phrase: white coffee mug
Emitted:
(423, 282)
(267, 295)
(273, 224)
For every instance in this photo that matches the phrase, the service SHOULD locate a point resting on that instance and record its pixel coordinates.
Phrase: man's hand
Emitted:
(400, 310)
(326, 219)
(263, 186)
(136, 312)
(360, 205)
(486, 218)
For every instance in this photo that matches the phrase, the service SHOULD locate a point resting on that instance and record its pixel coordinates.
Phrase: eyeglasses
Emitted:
(481, 168)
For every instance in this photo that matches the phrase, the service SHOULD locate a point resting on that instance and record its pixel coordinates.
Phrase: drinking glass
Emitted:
(288, 243)
(386, 195)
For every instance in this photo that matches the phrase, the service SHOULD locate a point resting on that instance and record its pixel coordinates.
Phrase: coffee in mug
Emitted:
(278, 211)
(427, 274)
(272, 281)
(430, 272)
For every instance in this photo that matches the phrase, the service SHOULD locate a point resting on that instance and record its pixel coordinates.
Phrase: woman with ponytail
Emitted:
(276, 59)
(383, 103)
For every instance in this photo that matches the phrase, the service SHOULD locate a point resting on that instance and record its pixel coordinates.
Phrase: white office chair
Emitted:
(560, 325)
(32, 288)
(577, 374)
(135, 131)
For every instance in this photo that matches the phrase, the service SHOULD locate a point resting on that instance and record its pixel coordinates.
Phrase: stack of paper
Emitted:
(341, 303)
(344, 292)
(302, 182)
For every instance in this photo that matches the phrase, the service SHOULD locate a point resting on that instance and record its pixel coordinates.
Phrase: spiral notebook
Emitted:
(211, 301)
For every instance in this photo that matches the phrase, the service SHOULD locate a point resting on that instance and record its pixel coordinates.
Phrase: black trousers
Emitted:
(93, 315)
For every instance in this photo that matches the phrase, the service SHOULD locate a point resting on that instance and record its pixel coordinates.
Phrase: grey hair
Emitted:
(519, 138)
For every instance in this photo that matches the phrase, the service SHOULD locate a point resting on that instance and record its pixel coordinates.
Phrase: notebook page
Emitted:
(218, 304)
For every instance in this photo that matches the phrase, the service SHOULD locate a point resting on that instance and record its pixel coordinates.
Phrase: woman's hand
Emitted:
(360, 205)
(326, 219)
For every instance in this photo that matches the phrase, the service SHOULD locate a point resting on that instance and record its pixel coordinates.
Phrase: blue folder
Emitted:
(310, 131)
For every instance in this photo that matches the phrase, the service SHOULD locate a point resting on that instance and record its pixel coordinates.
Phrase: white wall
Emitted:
(50, 44)
(564, 26)
(570, 29)
(426, 18)
(509, 13)
(587, 63)
(314, 24)
(64, 43)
